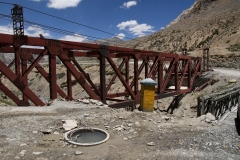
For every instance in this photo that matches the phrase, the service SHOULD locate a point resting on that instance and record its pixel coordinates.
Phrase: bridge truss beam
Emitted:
(164, 68)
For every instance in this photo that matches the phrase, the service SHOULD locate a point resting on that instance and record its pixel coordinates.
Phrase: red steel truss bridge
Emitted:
(174, 74)
(166, 69)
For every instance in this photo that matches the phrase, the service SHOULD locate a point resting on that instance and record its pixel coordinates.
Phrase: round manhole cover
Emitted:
(86, 137)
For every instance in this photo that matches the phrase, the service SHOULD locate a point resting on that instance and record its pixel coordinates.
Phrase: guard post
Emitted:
(147, 95)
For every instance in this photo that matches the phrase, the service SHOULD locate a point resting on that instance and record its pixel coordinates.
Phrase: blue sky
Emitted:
(124, 18)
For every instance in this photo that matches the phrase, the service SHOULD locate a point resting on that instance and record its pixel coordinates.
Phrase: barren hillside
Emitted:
(213, 23)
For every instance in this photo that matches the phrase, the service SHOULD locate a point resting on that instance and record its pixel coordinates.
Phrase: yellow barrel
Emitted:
(147, 95)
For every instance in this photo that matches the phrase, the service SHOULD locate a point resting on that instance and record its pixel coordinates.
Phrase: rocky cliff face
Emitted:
(213, 23)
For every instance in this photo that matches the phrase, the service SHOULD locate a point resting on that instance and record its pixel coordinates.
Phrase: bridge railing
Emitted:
(219, 103)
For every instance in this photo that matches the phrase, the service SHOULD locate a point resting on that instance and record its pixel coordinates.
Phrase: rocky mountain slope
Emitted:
(212, 23)
(109, 41)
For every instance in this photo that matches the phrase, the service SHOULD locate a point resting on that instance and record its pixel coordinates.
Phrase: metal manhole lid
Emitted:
(86, 137)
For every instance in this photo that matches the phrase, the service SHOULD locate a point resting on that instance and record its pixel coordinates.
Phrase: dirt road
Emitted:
(172, 138)
(142, 136)
(228, 72)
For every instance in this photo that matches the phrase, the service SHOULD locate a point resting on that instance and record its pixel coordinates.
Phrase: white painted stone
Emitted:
(23, 152)
(137, 124)
(202, 117)
(151, 144)
(129, 125)
(232, 80)
(69, 124)
(118, 129)
(99, 104)
(86, 101)
(210, 117)
(207, 120)
(94, 101)
(78, 152)
(37, 153)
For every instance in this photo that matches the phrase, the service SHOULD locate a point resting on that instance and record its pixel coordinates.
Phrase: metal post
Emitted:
(160, 74)
(18, 23)
(176, 75)
(127, 70)
(69, 85)
(189, 73)
(52, 76)
(205, 59)
(146, 68)
(18, 30)
(135, 76)
(17, 61)
(24, 68)
(103, 79)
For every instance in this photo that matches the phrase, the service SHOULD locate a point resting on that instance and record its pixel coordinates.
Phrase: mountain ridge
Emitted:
(212, 23)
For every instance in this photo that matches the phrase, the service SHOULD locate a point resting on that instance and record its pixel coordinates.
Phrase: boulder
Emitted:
(210, 117)
(232, 80)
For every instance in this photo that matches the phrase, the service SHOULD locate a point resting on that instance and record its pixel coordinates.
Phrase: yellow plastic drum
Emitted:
(147, 95)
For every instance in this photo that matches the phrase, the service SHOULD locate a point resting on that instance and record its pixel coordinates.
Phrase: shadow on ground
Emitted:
(237, 124)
